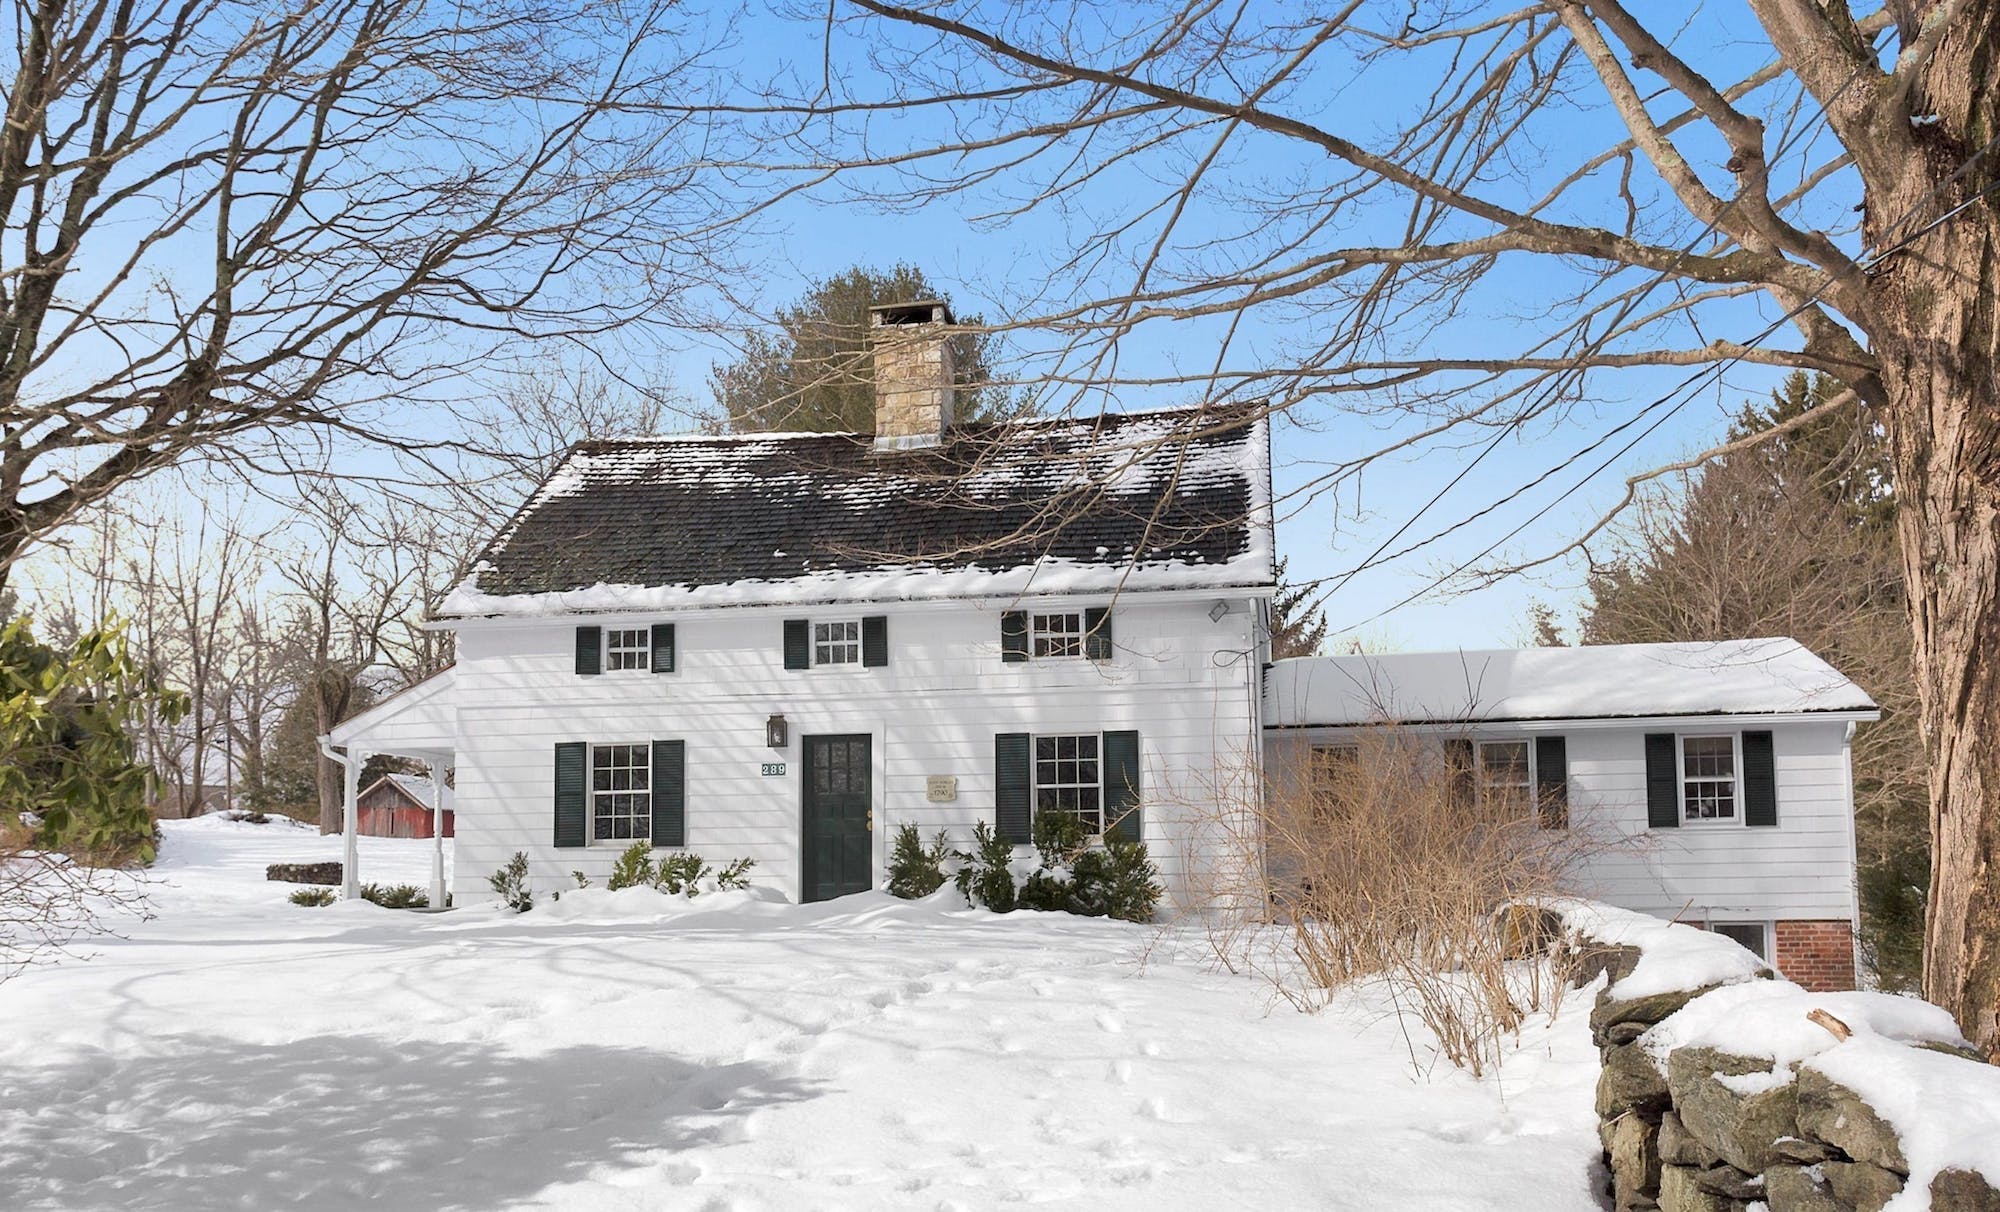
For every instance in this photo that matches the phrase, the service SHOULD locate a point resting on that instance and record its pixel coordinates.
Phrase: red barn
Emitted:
(399, 805)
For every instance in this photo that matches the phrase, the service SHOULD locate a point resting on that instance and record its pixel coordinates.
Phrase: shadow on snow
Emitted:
(336, 1121)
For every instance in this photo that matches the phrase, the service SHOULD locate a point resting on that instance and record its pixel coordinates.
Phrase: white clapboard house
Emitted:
(1714, 777)
(784, 646)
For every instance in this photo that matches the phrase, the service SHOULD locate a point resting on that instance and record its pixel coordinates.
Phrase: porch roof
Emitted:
(419, 721)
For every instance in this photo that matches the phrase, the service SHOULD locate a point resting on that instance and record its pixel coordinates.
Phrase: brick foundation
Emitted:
(1816, 954)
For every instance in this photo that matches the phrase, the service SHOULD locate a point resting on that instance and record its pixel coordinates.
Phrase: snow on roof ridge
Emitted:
(782, 435)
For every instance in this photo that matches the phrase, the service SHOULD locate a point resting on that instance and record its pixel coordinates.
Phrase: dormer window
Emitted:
(626, 648)
(837, 643)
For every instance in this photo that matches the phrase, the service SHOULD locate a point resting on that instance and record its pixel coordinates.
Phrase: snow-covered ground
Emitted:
(625, 1051)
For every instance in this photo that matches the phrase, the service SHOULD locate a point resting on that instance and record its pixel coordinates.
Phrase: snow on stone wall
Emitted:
(1722, 1090)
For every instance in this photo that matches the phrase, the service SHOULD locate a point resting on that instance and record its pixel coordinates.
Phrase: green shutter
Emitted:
(1013, 788)
(1760, 780)
(875, 640)
(1663, 781)
(1122, 818)
(589, 650)
(1014, 636)
(1097, 633)
(663, 648)
(798, 643)
(1552, 781)
(670, 793)
(572, 793)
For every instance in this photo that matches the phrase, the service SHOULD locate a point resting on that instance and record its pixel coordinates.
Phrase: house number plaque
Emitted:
(941, 788)
(773, 768)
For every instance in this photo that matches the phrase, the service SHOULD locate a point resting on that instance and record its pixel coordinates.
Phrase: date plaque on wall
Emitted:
(941, 788)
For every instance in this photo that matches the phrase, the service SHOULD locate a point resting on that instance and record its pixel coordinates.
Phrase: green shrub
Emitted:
(984, 879)
(400, 896)
(916, 869)
(1045, 890)
(1118, 881)
(312, 897)
(634, 868)
(736, 875)
(1059, 837)
(582, 880)
(680, 874)
(511, 882)
(67, 719)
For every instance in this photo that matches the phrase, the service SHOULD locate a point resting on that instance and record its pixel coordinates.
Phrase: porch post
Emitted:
(437, 834)
(350, 816)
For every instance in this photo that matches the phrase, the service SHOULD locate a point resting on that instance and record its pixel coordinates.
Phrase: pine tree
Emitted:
(816, 374)
(1795, 536)
(1298, 624)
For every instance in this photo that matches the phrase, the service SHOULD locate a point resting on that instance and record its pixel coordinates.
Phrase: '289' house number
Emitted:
(773, 768)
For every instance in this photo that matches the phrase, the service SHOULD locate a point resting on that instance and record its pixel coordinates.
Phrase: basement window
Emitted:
(1754, 936)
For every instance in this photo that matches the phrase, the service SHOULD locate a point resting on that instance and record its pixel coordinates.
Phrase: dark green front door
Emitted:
(838, 857)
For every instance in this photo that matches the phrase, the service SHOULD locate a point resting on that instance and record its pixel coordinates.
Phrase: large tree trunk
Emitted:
(331, 694)
(1938, 340)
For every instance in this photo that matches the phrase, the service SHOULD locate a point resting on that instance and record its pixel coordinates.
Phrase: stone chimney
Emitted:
(914, 399)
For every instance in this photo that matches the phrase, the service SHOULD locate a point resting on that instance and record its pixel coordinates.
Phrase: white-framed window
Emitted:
(1506, 777)
(621, 792)
(1755, 936)
(1056, 634)
(1709, 786)
(837, 642)
(1069, 777)
(627, 648)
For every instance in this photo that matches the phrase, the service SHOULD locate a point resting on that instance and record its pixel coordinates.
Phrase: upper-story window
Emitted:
(1506, 777)
(1057, 634)
(627, 648)
(1708, 778)
(837, 643)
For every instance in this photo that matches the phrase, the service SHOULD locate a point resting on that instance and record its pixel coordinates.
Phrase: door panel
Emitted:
(837, 857)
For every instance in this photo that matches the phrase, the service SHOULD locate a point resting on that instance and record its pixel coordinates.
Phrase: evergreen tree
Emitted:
(1795, 536)
(1298, 624)
(816, 373)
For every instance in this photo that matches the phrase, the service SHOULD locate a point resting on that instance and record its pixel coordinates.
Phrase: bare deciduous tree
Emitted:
(224, 218)
(1478, 211)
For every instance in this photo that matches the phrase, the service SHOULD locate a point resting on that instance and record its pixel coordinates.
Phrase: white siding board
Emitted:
(1803, 868)
(1177, 678)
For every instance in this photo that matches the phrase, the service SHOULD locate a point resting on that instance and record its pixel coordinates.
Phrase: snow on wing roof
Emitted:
(1134, 501)
(1730, 677)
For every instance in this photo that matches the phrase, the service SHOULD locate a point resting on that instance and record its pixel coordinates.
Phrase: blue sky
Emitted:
(1009, 269)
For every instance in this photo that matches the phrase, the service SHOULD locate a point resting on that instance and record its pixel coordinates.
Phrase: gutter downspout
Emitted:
(350, 848)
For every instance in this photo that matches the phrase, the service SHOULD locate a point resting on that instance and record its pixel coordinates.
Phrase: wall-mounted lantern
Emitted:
(774, 732)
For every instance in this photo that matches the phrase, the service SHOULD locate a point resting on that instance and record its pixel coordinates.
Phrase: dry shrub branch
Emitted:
(1382, 862)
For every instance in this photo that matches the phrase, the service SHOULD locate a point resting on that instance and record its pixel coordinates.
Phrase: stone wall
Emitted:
(1688, 1126)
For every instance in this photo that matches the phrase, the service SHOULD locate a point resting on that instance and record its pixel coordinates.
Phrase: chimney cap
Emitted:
(917, 311)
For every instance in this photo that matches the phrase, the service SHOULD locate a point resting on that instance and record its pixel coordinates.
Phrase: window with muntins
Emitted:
(627, 649)
(621, 795)
(837, 643)
(1070, 778)
(1506, 777)
(1056, 635)
(1708, 778)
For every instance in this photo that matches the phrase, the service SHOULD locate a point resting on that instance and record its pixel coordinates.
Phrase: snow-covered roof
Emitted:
(1605, 681)
(418, 788)
(1174, 499)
